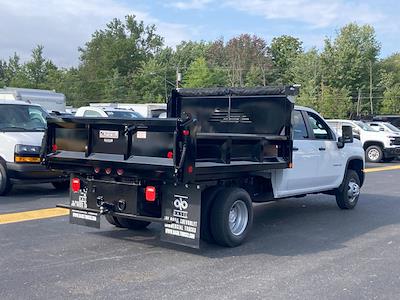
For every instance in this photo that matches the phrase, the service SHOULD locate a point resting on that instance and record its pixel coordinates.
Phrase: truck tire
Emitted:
(348, 193)
(231, 217)
(112, 220)
(207, 200)
(5, 184)
(132, 224)
(374, 154)
(61, 185)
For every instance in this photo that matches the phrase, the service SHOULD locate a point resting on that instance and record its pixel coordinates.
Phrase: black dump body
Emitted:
(209, 134)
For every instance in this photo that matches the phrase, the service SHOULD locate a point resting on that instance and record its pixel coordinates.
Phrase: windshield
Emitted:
(22, 118)
(364, 126)
(123, 114)
(391, 127)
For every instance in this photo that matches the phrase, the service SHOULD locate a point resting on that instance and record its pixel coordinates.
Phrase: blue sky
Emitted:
(64, 25)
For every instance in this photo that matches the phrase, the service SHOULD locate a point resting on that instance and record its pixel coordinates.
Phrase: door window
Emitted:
(299, 126)
(320, 129)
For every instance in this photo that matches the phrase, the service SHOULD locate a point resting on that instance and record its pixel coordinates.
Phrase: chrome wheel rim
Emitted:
(353, 191)
(373, 154)
(238, 217)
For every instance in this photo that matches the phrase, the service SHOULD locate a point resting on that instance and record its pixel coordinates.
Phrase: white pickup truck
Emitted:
(378, 145)
(198, 171)
(22, 126)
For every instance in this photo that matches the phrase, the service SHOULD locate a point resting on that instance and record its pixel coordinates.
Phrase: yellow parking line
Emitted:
(33, 215)
(380, 169)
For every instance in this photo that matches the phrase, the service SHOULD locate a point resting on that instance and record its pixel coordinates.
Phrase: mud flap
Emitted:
(80, 201)
(181, 205)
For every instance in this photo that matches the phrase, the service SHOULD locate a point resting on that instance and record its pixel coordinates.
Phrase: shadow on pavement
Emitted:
(27, 193)
(290, 227)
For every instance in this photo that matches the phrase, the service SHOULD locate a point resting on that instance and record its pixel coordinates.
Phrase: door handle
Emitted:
(321, 148)
(295, 149)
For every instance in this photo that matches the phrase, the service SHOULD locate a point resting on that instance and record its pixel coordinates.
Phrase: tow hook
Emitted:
(104, 206)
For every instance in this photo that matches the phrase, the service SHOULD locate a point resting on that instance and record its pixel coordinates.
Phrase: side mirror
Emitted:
(347, 136)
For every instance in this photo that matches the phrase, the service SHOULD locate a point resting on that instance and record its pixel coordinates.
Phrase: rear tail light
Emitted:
(185, 132)
(190, 169)
(150, 193)
(97, 170)
(54, 147)
(120, 172)
(170, 154)
(108, 171)
(75, 185)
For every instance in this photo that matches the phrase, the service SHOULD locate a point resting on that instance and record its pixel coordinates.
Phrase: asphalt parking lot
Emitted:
(303, 248)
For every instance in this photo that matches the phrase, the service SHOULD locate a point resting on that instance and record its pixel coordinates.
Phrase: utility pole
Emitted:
(178, 78)
(370, 87)
(358, 102)
(165, 85)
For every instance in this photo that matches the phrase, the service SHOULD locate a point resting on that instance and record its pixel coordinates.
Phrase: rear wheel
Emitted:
(5, 184)
(231, 217)
(132, 224)
(61, 185)
(374, 154)
(207, 200)
(348, 193)
(112, 220)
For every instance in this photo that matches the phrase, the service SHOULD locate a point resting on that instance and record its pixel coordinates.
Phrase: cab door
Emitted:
(301, 177)
(330, 159)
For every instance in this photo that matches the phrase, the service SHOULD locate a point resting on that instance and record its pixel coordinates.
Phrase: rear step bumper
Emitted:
(117, 214)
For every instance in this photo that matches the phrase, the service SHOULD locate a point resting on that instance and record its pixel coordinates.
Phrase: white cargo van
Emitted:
(22, 127)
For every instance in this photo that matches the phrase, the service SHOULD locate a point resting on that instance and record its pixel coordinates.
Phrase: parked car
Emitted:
(384, 126)
(147, 110)
(49, 100)
(378, 145)
(22, 126)
(106, 112)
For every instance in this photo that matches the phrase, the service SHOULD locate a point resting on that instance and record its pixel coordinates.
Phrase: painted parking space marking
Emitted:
(33, 215)
(381, 169)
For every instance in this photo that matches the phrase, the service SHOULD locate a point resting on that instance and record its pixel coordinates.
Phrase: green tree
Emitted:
(122, 46)
(284, 51)
(152, 82)
(198, 75)
(306, 71)
(115, 88)
(348, 59)
(187, 52)
(335, 103)
(391, 65)
(36, 68)
(391, 100)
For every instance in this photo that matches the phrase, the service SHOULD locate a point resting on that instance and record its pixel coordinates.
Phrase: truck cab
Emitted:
(385, 127)
(378, 145)
(319, 161)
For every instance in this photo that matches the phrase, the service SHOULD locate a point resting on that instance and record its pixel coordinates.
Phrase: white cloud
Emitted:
(315, 13)
(64, 25)
(193, 4)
